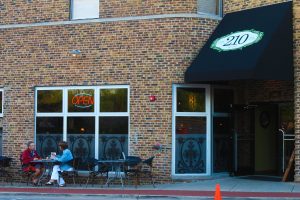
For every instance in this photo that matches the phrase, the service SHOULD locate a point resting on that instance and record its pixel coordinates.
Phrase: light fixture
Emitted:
(75, 52)
(152, 98)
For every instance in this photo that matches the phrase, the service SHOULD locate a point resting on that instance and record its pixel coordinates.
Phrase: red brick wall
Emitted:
(234, 5)
(110, 8)
(149, 55)
(30, 11)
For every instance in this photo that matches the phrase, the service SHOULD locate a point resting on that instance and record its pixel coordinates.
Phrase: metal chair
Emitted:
(24, 174)
(95, 170)
(146, 169)
(132, 168)
(4, 164)
(71, 174)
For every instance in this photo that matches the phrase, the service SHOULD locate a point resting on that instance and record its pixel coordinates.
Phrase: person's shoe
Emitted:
(61, 185)
(35, 184)
(49, 183)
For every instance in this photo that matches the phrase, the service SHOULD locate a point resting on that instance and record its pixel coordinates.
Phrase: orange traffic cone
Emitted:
(218, 193)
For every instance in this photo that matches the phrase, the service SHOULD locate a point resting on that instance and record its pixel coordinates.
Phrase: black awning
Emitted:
(254, 44)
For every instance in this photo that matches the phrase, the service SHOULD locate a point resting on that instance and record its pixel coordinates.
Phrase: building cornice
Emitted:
(105, 20)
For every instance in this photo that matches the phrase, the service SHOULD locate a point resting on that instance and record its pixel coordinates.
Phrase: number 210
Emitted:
(234, 40)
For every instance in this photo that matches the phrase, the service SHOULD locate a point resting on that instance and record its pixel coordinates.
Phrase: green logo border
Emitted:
(259, 33)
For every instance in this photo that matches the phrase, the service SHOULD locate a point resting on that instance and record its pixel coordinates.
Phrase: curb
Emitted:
(129, 192)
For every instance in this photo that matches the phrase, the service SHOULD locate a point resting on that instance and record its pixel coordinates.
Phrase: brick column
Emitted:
(296, 24)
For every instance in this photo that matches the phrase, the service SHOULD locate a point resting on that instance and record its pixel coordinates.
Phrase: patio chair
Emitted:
(146, 169)
(4, 165)
(25, 175)
(95, 171)
(71, 174)
(132, 168)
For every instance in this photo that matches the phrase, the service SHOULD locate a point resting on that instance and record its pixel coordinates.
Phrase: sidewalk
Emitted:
(230, 187)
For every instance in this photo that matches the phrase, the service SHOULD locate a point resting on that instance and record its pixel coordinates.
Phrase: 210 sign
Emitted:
(237, 40)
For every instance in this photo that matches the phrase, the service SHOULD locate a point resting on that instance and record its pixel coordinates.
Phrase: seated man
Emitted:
(29, 155)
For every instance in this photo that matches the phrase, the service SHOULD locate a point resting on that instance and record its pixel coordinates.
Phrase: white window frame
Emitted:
(72, 10)
(2, 103)
(220, 14)
(65, 114)
(206, 114)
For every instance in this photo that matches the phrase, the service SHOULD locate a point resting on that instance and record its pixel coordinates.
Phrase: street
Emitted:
(115, 197)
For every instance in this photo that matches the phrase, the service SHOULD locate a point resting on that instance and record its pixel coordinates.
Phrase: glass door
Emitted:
(222, 130)
(191, 130)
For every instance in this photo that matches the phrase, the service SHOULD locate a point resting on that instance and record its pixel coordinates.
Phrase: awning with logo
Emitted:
(254, 44)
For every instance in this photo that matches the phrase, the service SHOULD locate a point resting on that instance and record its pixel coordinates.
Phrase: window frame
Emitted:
(71, 15)
(220, 11)
(65, 114)
(2, 103)
(206, 114)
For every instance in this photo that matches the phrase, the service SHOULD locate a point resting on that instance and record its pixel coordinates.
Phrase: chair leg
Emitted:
(74, 178)
(152, 180)
(87, 181)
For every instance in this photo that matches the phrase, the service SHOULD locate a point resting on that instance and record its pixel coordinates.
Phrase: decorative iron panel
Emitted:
(190, 154)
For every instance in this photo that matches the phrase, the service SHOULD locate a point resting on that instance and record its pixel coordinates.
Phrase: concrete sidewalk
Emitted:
(230, 187)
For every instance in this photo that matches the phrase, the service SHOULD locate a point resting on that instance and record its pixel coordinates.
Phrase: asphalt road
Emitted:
(114, 197)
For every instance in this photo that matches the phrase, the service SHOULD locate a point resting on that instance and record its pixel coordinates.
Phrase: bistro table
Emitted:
(48, 165)
(116, 169)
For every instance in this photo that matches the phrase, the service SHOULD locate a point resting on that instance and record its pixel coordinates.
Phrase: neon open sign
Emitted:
(83, 100)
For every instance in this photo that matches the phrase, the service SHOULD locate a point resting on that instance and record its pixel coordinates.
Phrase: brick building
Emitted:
(109, 77)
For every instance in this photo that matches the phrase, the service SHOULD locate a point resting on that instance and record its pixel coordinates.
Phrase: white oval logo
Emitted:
(237, 40)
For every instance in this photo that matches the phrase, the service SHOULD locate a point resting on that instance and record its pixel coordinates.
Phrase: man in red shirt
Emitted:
(29, 155)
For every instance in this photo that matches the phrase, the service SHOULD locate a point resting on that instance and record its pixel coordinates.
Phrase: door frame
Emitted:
(206, 114)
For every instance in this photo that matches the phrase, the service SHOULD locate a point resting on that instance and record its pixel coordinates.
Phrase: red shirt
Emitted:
(28, 156)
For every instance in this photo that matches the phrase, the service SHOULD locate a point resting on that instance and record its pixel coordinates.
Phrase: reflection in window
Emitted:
(85, 9)
(211, 7)
(190, 100)
(1, 131)
(223, 100)
(222, 153)
(113, 100)
(81, 138)
(190, 125)
(49, 101)
(113, 125)
(81, 100)
(190, 145)
(49, 131)
(113, 138)
(1, 103)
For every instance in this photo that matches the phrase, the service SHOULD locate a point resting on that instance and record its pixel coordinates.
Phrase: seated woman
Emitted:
(64, 165)
(29, 155)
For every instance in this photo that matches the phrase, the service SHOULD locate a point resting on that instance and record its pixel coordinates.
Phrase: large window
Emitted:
(191, 130)
(1, 102)
(84, 9)
(210, 7)
(94, 121)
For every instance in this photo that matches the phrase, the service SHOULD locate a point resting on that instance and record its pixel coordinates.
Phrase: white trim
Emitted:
(105, 20)
(65, 114)
(2, 103)
(96, 107)
(206, 114)
(128, 111)
(208, 132)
